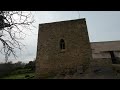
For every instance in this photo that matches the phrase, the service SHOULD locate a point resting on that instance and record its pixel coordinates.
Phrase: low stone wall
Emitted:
(101, 62)
(97, 65)
(116, 67)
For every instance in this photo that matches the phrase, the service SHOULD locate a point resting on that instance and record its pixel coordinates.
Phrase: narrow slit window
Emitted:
(62, 44)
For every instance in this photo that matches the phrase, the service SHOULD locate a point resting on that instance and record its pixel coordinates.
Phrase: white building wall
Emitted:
(100, 49)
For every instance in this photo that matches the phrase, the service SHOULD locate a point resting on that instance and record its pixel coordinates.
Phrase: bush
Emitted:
(5, 69)
(27, 76)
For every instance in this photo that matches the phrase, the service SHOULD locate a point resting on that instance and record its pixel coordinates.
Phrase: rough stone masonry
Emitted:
(62, 46)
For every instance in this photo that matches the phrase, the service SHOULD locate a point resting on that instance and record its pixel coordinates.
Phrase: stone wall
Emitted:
(101, 62)
(51, 59)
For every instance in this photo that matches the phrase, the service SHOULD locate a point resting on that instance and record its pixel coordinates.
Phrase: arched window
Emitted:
(62, 44)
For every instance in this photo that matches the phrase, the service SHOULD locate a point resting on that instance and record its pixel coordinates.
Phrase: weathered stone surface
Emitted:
(50, 59)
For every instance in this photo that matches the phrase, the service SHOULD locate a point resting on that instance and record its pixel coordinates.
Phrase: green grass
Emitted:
(19, 76)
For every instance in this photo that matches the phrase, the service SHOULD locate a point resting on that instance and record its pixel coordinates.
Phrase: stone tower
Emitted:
(62, 46)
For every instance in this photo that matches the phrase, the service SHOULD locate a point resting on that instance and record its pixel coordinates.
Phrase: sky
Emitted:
(102, 26)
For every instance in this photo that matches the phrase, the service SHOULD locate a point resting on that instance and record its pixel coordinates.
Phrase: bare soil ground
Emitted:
(100, 73)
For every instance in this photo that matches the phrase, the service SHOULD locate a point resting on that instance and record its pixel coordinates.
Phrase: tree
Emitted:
(12, 26)
(30, 65)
